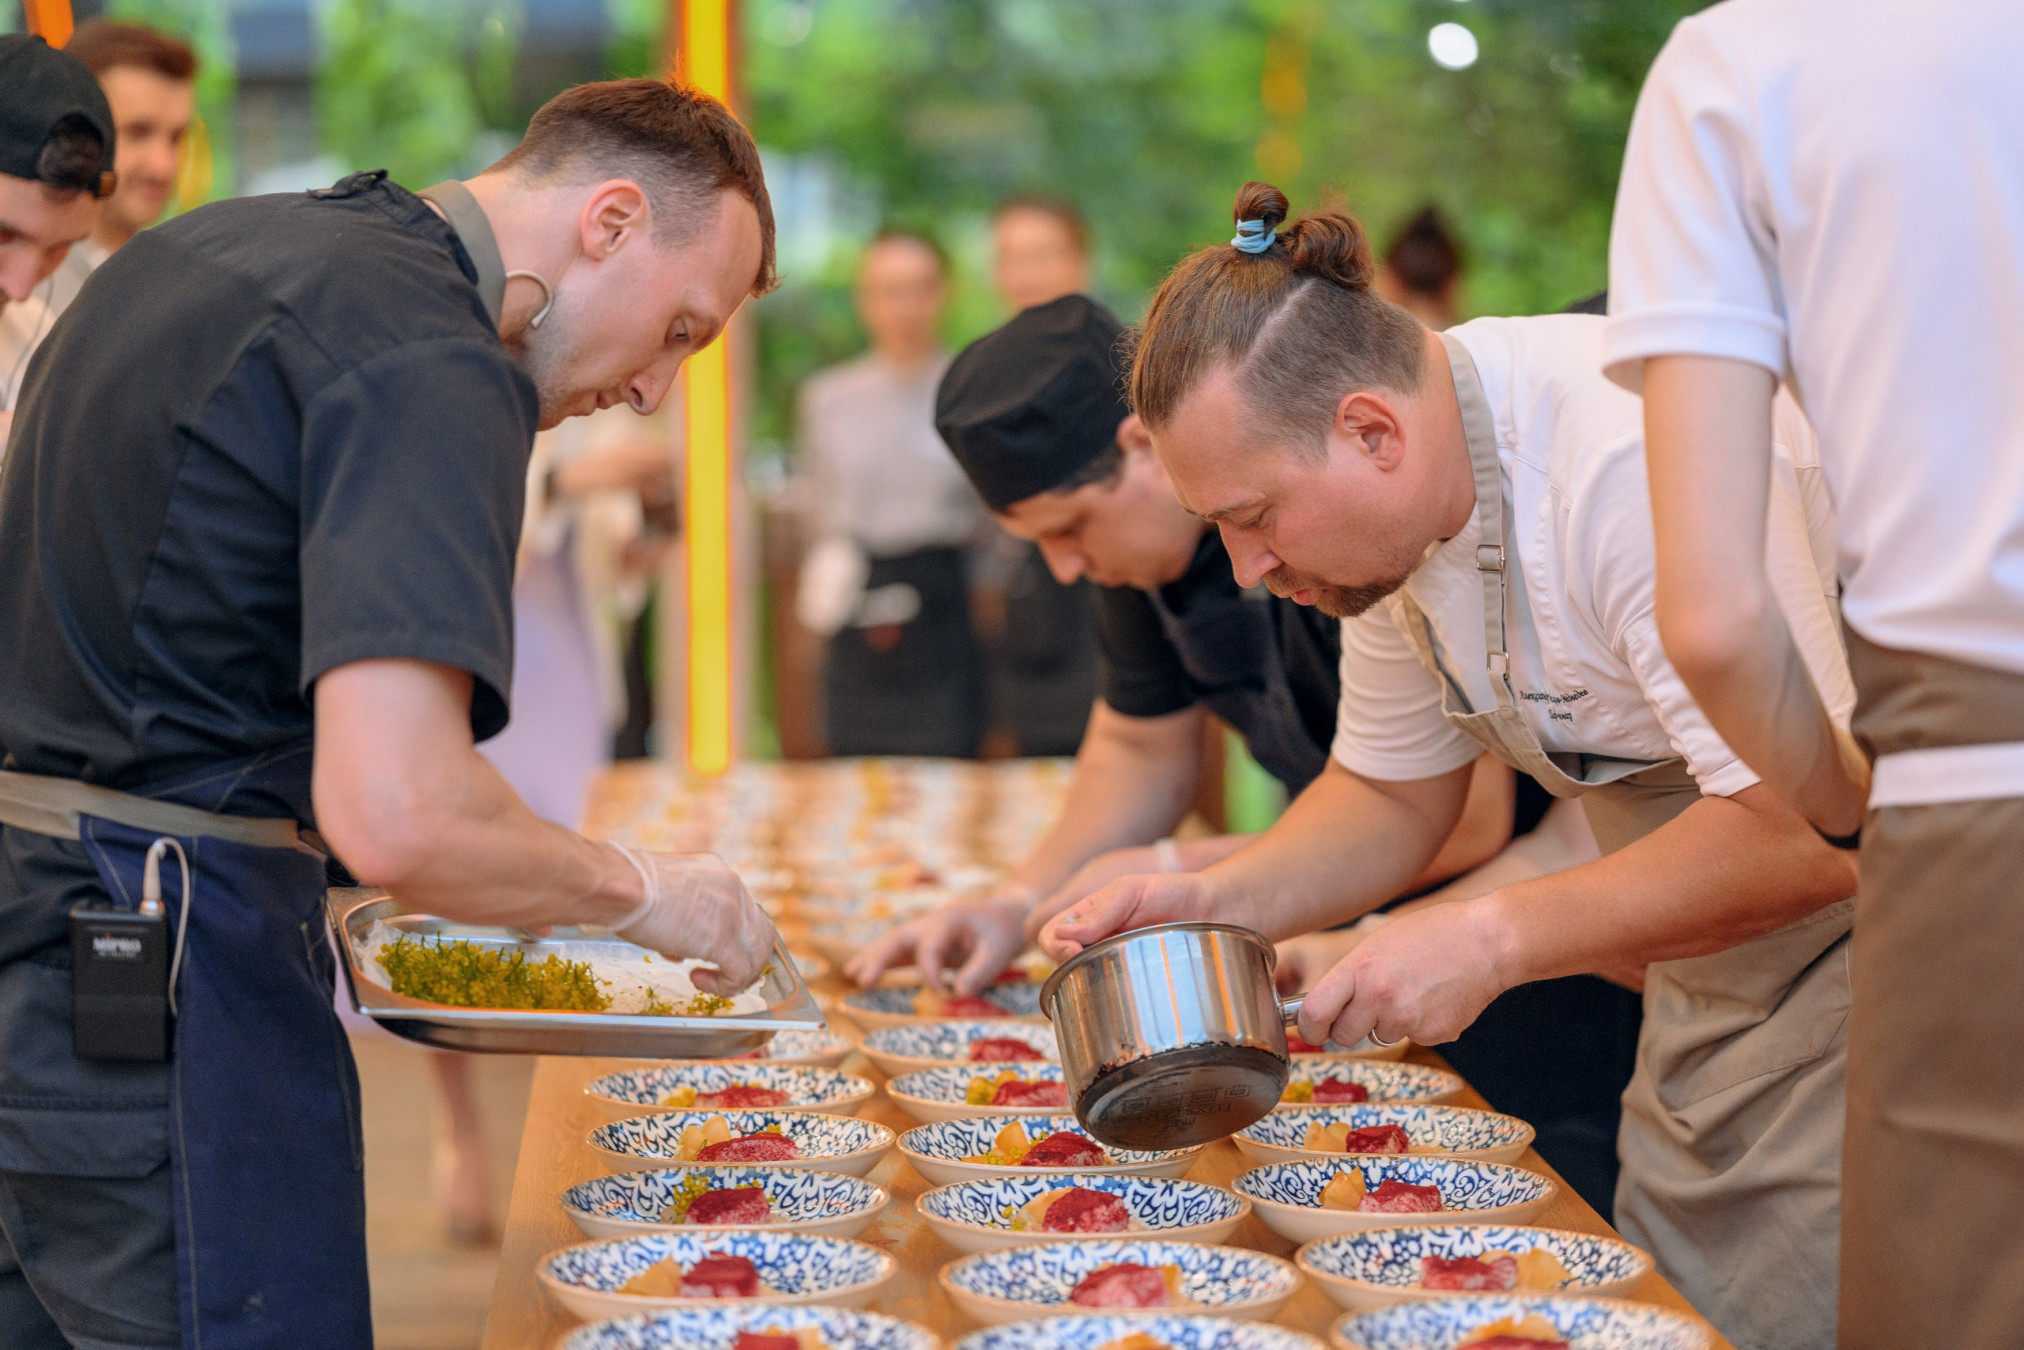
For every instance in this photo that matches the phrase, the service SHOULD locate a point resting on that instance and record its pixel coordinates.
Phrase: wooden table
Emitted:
(553, 1157)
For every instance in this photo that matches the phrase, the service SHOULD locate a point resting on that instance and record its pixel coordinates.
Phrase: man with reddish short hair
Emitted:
(149, 79)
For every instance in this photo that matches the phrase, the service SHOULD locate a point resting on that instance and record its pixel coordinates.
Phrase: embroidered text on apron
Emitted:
(1731, 1136)
(263, 1099)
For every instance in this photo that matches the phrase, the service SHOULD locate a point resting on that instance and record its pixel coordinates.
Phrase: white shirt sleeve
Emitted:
(1389, 725)
(1692, 267)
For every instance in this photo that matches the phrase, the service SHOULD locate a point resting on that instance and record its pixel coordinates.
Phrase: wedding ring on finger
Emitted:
(1379, 1041)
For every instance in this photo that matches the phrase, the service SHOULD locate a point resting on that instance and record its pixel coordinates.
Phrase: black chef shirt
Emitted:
(1142, 674)
(270, 437)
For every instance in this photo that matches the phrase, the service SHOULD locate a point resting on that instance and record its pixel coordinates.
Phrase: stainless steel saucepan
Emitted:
(1171, 1036)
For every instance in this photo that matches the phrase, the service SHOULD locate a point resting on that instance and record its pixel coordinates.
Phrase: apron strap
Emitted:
(1480, 430)
(53, 806)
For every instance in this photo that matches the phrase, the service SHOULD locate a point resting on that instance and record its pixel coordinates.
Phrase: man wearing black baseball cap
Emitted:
(1035, 414)
(56, 148)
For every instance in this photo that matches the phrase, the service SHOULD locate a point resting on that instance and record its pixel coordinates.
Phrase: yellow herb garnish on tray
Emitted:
(465, 975)
(1010, 1145)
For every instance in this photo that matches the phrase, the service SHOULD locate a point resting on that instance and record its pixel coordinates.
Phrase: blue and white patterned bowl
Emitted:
(792, 1268)
(1023, 1282)
(893, 1005)
(1288, 1195)
(976, 1216)
(1586, 1323)
(1079, 1332)
(716, 1328)
(638, 1090)
(629, 1203)
(824, 1049)
(937, 1151)
(826, 1143)
(1453, 1131)
(925, 1045)
(937, 1094)
(1381, 1266)
(1412, 1084)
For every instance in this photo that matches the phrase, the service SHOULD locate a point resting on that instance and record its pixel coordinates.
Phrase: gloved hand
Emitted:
(697, 907)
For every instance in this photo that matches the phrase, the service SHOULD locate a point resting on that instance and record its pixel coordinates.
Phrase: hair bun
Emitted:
(1331, 245)
(1260, 201)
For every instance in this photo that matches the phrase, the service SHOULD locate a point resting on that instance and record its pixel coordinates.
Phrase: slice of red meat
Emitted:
(721, 1276)
(741, 1097)
(762, 1147)
(1016, 1093)
(1124, 1285)
(1083, 1210)
(972, 1005)
(738, 1204)
(764, 1340)
(1511, 1343)
(1377, 1139)
(1392, 1196)
(1471, 1273)
(1001, 1049)
(1296, 1046)
(1064, 1148)
(1011, 975)
(1335, 1090)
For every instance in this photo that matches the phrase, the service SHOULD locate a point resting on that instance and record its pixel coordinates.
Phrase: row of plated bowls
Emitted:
(819, 1201)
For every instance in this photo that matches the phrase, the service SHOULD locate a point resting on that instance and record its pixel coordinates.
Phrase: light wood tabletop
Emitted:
(554, 1156)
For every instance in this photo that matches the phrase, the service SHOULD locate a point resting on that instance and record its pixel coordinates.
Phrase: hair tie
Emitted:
(1254, 236)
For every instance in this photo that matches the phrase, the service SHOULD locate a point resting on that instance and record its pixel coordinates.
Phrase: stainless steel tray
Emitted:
(351, 912)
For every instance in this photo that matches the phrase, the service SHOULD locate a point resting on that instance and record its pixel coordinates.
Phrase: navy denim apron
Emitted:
(1232, 654)
(265, 1148)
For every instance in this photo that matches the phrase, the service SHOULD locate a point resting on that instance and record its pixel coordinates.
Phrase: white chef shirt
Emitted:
(1834, 190)
(1585, 658)
(23, 325)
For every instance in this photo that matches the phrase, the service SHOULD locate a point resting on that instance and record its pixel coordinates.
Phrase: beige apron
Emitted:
(1731, 1136)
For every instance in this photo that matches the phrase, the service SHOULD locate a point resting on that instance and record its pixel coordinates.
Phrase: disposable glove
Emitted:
(697, 907)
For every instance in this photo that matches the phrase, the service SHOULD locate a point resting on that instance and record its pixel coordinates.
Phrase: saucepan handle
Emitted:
(1289, 1008)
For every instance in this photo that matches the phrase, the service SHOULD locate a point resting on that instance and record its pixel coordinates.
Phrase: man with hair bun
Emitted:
(1473, 506)
(272, 652)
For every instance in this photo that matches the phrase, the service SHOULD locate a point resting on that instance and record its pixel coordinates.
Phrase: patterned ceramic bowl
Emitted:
(1587, 1323)
(824, 1049)
(1023, 1282)
(1382, 1266)
(1412, 1084)
(825, 1143)
(1176, 1333)
(937, 1151)
(806, 1089)
(629, 1203)
(717, 1328)
(1364, 1049)
(1453, 1131)
(977, 1216)
(927, 1045)
(941, 1093)
(587, 1279)
(1288, 1195)
(894, 1005)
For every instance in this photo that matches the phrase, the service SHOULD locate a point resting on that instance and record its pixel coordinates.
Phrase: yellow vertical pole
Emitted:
(702, 39)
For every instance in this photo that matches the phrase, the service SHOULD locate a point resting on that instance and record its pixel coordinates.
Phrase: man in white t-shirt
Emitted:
(1474, 505)
(1831, 193)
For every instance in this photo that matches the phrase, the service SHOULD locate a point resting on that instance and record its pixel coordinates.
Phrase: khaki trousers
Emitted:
(1933, 1180)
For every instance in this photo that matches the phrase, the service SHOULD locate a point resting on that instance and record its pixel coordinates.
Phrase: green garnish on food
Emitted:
(464, 975)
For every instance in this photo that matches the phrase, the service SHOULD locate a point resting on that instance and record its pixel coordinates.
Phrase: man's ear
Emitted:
(1370, 423)
(1132, 436)
(615, 211)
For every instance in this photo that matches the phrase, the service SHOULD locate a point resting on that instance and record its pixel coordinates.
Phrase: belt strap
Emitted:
(1936, 775)
(54, 806)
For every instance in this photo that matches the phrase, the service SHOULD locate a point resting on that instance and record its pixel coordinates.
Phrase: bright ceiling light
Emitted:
(1452, 45)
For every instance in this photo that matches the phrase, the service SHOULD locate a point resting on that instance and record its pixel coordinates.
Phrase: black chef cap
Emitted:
(41, 88)
(1024, 408)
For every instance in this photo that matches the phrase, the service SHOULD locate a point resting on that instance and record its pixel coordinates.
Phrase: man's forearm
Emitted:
(1343, 847)
(1722, 872)
(1133, 782)
(1708, 445)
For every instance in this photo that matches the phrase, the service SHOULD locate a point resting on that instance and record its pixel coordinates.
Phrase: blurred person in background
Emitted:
(888, 577)
(150, 81)
(1045, 665)
(56, 153)
(1422, 269)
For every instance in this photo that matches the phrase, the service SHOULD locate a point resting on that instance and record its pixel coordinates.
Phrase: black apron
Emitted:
(913, 688)
(267, 1160)
(1045, 670)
